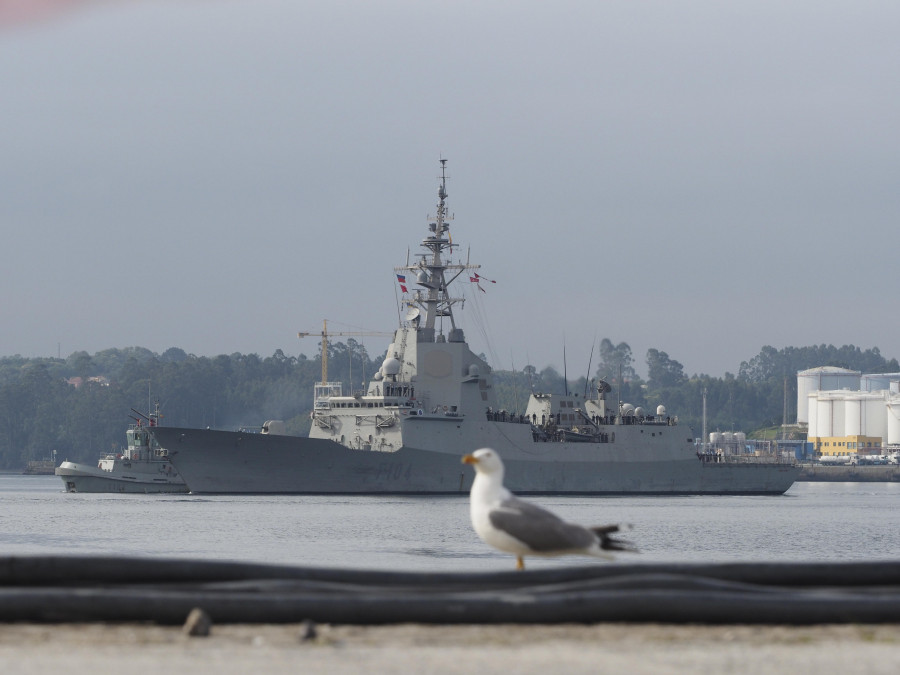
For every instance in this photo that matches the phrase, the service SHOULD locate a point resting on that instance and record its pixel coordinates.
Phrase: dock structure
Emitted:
(849, 474)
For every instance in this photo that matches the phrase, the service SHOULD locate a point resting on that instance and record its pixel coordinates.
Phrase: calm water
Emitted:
(812, 522)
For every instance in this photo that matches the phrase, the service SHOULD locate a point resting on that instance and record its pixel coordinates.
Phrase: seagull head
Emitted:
(485, 461)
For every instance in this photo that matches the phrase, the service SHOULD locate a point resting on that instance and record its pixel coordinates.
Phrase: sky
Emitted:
(701, 178)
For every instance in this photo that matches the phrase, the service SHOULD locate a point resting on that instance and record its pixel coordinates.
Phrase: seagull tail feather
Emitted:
(608, 543)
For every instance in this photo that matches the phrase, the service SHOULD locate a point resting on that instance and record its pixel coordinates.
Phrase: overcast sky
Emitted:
(703, 178)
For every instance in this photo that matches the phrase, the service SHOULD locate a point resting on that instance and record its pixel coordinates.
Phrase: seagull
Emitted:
(510, 524)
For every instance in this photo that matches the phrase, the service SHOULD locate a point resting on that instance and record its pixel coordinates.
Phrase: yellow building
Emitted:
(846, 445)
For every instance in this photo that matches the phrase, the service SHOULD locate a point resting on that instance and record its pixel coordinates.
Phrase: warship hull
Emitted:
(225, 462)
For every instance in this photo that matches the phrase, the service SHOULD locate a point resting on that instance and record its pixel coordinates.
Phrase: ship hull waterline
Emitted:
(89, 479)
(225, 462)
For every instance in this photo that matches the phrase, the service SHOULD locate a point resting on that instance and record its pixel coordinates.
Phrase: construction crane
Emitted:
(325, 334)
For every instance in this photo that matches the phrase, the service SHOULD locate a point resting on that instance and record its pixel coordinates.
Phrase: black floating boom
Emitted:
(80, 589)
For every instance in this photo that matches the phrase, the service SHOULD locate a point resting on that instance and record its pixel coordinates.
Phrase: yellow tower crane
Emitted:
(324, 335)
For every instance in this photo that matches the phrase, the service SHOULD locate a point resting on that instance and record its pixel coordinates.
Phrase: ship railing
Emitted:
(324, 421)
(505, 416)
(568, 435)
(380, 421)
(714, 458)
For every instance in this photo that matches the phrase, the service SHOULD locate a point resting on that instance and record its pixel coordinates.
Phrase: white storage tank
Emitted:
(853, 406)
(811, 406)
(878, 381)
(893, 421)
(838, 423)
(825, 416)
(824, 378)
(714, 438)
(874, 415)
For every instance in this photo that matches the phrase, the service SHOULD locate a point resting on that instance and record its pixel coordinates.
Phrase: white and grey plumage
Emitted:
(510, 524)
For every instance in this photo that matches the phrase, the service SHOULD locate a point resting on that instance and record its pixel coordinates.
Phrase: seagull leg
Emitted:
(520, 562)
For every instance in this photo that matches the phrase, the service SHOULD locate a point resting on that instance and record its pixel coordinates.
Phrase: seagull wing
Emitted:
(539, 529)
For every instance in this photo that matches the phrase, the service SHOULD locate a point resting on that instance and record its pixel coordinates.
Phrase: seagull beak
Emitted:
(469, 459)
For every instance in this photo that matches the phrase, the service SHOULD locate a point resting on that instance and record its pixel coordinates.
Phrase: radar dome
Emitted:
(639, 412)
(378, 376)
(661, 410)
(391, 366)
(628, 410)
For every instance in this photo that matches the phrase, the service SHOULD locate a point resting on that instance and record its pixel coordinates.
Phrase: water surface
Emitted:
(812, 522)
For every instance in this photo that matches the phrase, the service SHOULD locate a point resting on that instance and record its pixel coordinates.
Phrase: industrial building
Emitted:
(847, 413)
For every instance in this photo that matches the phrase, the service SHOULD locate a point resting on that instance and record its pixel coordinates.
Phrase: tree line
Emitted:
(80, 406)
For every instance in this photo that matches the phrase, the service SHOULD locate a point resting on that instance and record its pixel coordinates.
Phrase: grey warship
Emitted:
(432, 401)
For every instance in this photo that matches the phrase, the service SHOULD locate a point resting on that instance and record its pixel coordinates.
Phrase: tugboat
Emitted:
(143, 467)
(432, 401)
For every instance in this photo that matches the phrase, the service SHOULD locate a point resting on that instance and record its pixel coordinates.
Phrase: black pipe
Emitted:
(164, 591)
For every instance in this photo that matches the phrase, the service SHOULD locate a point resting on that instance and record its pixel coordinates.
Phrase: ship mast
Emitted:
(431, 273)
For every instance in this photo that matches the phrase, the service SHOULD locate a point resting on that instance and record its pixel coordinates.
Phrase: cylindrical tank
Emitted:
(837, 413)
(727, 437)
(893, 421)
(811, 406)
(852, 416)
(740, 437)
(874, 416)
(824, 378)
(715, 437)
(878, 381)
(824, 416)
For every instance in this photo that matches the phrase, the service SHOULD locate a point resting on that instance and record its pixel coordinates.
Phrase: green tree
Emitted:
(615, 360)
(663, 371)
